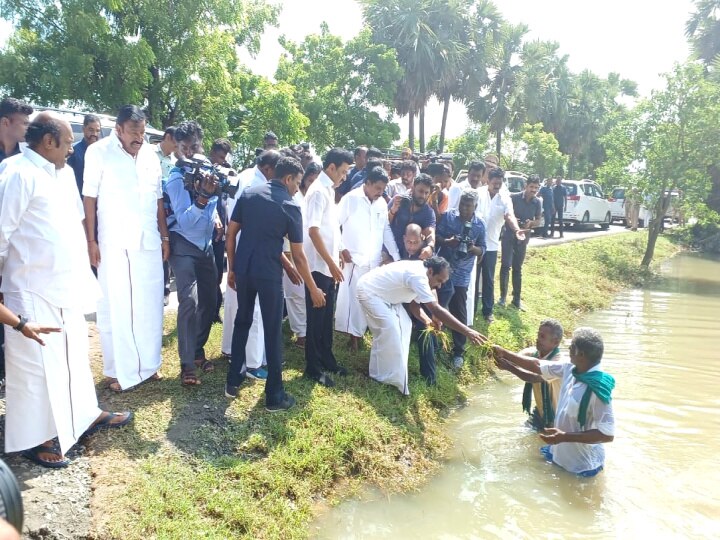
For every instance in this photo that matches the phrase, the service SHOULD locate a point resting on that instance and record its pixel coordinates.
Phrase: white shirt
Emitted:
(399, 282)
(577, 457)
(321, 212)
(166, 162)
(42, 242)
(127, 191)
(365, 228)
(455, 192)
(396, 187)
(493, 212)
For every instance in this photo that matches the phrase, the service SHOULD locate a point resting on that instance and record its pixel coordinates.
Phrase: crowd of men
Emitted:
(349, 244)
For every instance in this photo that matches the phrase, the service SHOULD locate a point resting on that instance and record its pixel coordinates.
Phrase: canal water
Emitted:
(662, 472)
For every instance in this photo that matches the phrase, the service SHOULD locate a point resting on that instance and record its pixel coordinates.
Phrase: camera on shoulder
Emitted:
(198, 168)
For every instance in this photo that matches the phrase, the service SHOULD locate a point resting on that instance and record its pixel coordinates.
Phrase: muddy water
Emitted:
(662, 472)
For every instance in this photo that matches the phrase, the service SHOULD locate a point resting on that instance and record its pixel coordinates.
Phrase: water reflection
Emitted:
(662, 475)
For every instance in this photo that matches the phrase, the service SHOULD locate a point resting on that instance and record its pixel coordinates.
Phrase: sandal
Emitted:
(107, 422)
(33, 454)
(189, 378)
(155, 377)
(113, 385)
(205, 365)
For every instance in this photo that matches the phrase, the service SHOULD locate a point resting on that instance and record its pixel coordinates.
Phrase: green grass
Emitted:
(195, 465)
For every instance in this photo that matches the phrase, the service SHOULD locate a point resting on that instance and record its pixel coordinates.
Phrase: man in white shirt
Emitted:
(584, 419)
(50, 396)
(404, 184)
(476, 171)
(386, 295)
(123, 192)
(495, 208)
(322, 245)
(363, 217)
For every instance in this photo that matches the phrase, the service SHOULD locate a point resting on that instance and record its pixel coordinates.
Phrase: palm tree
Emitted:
(703, 32)
(499, 106)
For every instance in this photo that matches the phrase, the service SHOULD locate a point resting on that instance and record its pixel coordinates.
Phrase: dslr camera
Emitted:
(465, 242)
(197, 168)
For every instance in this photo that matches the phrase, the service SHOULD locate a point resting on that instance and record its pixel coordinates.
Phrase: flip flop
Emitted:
(205, 365)
(106, 423)
(33, 454)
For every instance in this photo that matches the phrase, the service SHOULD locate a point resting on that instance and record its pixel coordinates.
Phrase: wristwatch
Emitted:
(21, 324)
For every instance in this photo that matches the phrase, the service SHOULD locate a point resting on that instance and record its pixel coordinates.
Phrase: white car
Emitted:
(514, 181)
(586, 204)
(617, 207)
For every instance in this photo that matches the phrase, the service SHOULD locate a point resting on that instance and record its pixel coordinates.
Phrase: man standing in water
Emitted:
(584, 418)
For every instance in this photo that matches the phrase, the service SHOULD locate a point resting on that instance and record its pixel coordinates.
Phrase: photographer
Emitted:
(192, 222)
(461, 238)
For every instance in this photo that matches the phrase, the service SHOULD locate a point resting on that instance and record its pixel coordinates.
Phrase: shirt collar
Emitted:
(36, 159)
(325, 180)
(277, 182)
(117, 143)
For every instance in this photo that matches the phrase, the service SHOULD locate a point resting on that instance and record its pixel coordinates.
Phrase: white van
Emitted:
(586, 204)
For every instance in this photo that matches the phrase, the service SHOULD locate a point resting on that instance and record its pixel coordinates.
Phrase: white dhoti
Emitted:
(295, 303)
(50, 390)
(391, 327)
(255, 348)
(470, 301)
(349, 316)
(130, 314)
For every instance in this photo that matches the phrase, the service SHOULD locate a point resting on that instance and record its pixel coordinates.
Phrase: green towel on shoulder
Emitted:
(600, 383)
(548, 413)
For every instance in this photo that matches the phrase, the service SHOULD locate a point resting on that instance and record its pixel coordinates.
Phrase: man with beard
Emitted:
(91, 134)
(404, 184)
(414, 208)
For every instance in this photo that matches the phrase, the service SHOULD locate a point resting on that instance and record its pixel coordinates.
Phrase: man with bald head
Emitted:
(50, 398)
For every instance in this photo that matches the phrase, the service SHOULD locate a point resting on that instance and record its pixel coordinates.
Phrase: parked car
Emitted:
(586, 204)
(107, 123)
(617, 202)
(514, 181)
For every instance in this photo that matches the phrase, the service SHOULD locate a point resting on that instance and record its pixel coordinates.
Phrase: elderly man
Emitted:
(92, 131)
(363, 218)
(584, 418)
(50, 399)
(386, 295)
(123, 192)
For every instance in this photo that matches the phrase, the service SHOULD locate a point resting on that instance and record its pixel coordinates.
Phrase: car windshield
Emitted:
(571, 189)
(618, 193)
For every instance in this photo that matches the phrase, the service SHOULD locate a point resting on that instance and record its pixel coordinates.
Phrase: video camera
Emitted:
(466, 242)
(197, 168)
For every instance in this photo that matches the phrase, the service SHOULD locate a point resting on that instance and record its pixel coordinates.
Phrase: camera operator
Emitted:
(460, 236)
(192, 223)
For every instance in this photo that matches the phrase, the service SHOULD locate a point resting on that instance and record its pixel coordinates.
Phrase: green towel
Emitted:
(597, 381)
(548, 413)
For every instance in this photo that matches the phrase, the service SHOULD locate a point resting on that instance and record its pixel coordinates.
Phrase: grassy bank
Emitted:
(195, 465)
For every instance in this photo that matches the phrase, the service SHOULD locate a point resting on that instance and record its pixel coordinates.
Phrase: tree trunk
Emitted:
(421, 129)
(411, 129)
(443, 125)
(498, 142)
(653, 233)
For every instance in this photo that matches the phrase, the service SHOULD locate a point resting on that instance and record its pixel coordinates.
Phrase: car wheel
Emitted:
(608, 218)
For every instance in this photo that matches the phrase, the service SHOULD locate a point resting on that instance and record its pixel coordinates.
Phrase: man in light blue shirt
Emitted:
(192, 220)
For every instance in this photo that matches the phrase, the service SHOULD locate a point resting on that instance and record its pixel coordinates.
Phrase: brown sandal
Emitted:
(188, 377)
(205, 365)
(113, 385)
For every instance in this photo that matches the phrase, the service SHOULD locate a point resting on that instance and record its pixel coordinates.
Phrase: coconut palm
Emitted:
(703, 32)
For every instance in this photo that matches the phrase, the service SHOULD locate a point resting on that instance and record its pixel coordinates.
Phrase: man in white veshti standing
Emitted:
(363, 217)
(386, 295)
(123, 191)
(50, 397)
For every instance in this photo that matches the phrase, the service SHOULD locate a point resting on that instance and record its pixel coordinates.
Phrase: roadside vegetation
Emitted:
(195, 465)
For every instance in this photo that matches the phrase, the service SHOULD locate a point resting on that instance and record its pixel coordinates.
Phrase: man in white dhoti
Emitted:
(386, 295)
(122, 190)
(363, 217)
(50, 398)
(255, 357)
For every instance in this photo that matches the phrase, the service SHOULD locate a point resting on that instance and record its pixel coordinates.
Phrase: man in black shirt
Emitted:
(266, 214)
(560, 202)
(528, 212)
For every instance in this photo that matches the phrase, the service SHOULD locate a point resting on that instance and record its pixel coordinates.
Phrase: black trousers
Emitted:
(270, 295)
(487, 268)
(219, 255)
(513, 256)
(557, 218)
(319, 356)
(195, 277)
